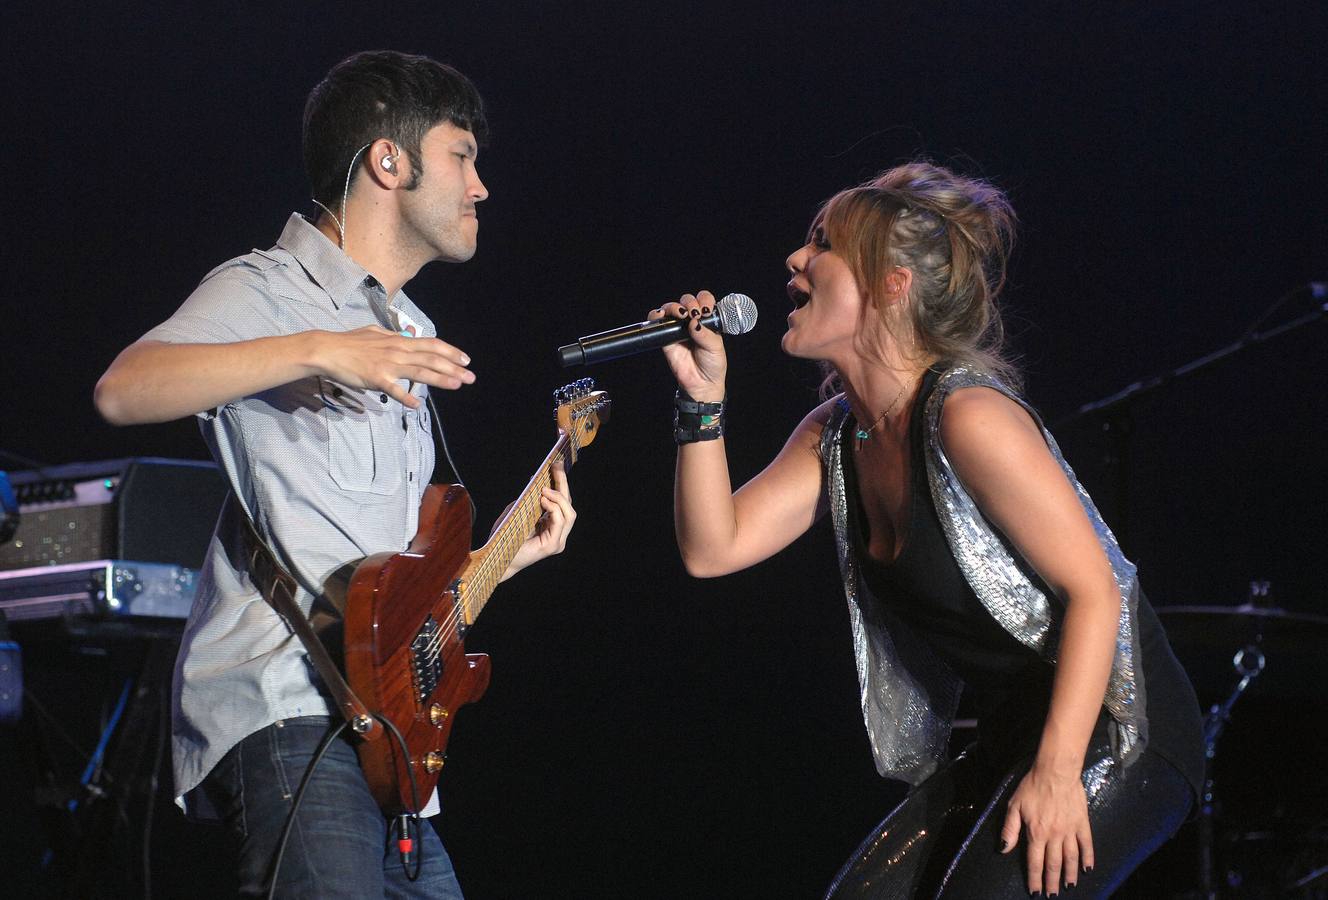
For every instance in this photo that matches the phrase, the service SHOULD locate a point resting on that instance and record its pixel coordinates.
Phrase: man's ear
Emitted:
(386, 164)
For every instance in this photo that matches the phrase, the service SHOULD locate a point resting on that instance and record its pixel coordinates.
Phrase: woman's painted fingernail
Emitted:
(705, 310)
(695, 313)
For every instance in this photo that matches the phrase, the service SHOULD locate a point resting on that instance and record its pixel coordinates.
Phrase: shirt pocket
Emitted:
(364, 453)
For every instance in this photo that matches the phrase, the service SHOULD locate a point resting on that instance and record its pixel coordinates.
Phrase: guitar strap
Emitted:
(279, 589)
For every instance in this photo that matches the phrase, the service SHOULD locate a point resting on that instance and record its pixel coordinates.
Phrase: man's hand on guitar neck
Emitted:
(551, 530)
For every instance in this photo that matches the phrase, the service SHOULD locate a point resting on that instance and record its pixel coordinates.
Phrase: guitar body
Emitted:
(404, 654)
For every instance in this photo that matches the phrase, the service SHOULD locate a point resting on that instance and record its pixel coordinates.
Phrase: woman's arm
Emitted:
(720, 531)
(1001, 457)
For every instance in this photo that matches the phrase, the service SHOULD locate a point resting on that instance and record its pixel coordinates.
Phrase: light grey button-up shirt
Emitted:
(329, 475)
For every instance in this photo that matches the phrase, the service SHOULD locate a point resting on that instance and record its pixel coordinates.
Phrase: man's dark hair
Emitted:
(382, 94)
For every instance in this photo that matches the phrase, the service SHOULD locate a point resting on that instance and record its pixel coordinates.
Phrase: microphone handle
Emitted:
(631, 339)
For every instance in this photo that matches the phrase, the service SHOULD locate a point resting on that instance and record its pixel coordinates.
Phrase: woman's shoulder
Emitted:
(827, 411)
(821, 423)
(981, 423)
(826, 418)
(965, 393)
(954, 378)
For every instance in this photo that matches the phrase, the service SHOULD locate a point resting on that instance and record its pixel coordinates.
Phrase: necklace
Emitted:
(862, 434)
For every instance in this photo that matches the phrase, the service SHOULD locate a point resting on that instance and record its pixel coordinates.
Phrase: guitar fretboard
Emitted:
(488, 563)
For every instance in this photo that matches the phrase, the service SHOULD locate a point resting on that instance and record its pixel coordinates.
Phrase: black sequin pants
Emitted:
(943, 839)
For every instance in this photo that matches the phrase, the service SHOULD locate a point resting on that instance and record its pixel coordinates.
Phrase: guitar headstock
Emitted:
(580, 413)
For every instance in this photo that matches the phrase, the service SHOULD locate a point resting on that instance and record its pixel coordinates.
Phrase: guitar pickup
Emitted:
(426, 660)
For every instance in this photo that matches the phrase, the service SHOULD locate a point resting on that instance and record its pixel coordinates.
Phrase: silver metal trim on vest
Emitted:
(908, 697)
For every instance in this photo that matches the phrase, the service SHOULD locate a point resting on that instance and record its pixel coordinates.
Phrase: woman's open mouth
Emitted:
(798, 296)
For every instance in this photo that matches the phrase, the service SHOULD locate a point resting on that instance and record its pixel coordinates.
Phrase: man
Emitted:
(308, 368)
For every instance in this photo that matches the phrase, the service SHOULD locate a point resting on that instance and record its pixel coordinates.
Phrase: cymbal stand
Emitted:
(1248, 662)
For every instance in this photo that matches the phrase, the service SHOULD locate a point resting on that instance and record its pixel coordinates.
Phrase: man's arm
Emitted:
(154, 381)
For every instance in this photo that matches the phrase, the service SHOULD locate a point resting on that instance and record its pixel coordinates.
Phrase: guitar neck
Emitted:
(487, 564)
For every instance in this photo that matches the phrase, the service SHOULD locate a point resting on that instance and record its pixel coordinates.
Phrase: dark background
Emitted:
(647, 734)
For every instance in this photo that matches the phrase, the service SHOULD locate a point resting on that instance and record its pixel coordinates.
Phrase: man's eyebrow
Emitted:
(467, 145)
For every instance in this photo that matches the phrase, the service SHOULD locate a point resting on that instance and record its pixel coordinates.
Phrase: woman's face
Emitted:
(827, 303)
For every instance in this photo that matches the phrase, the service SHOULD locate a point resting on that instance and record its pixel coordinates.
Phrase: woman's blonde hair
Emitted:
(954, 234)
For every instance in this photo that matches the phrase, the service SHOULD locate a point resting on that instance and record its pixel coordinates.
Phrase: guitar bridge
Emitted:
(426, 662)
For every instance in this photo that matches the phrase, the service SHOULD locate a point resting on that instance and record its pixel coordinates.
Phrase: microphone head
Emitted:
(737, 313)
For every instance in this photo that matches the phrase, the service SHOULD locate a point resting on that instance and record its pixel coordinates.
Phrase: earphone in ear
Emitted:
(389, 164)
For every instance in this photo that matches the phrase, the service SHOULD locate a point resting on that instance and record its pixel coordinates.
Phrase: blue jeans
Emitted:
(340, 844)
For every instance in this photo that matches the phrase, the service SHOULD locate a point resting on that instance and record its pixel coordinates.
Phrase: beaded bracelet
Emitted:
(696, 421)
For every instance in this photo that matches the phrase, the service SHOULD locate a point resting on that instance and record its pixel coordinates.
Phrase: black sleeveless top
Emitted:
(925, 591)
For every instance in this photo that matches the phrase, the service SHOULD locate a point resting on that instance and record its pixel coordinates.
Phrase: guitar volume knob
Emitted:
(438, 714)
(433, 762)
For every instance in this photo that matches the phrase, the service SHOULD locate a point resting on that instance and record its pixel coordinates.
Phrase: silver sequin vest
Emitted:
(909, 696)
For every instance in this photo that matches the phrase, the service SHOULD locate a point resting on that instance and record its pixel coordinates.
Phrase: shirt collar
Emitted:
(326, 263)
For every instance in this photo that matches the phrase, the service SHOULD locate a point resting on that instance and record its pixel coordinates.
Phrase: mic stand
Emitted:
(1116, 409)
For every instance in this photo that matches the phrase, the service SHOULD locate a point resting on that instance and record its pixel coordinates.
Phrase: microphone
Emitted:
(734, 314)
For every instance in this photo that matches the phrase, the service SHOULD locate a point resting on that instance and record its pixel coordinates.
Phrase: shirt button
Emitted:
(382, 397)
(337, 392)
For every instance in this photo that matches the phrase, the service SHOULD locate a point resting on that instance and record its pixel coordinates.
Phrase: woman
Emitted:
(971, 558)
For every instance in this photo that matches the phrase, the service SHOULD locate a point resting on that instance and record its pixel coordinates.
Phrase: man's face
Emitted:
(439, 214)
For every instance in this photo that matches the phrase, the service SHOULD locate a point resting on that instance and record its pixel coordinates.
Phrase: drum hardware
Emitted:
(1260, 631)
(1249, 663)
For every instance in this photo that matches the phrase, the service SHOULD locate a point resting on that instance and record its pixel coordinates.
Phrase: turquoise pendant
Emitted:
(862, 435)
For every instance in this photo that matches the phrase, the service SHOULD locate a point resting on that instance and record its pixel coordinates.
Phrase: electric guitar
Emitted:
(407, 615)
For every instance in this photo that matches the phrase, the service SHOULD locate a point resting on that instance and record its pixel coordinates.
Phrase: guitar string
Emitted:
(481, 582)
(484, 573)
(432, 647)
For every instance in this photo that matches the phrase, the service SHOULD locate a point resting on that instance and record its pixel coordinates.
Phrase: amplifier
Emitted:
(147, 510)
(103, 588)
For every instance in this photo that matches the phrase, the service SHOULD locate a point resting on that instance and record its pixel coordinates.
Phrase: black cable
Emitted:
(308, 775)
(414, 798)
(164, 731)
(447, 453)
(53, 724)
(299, 795)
